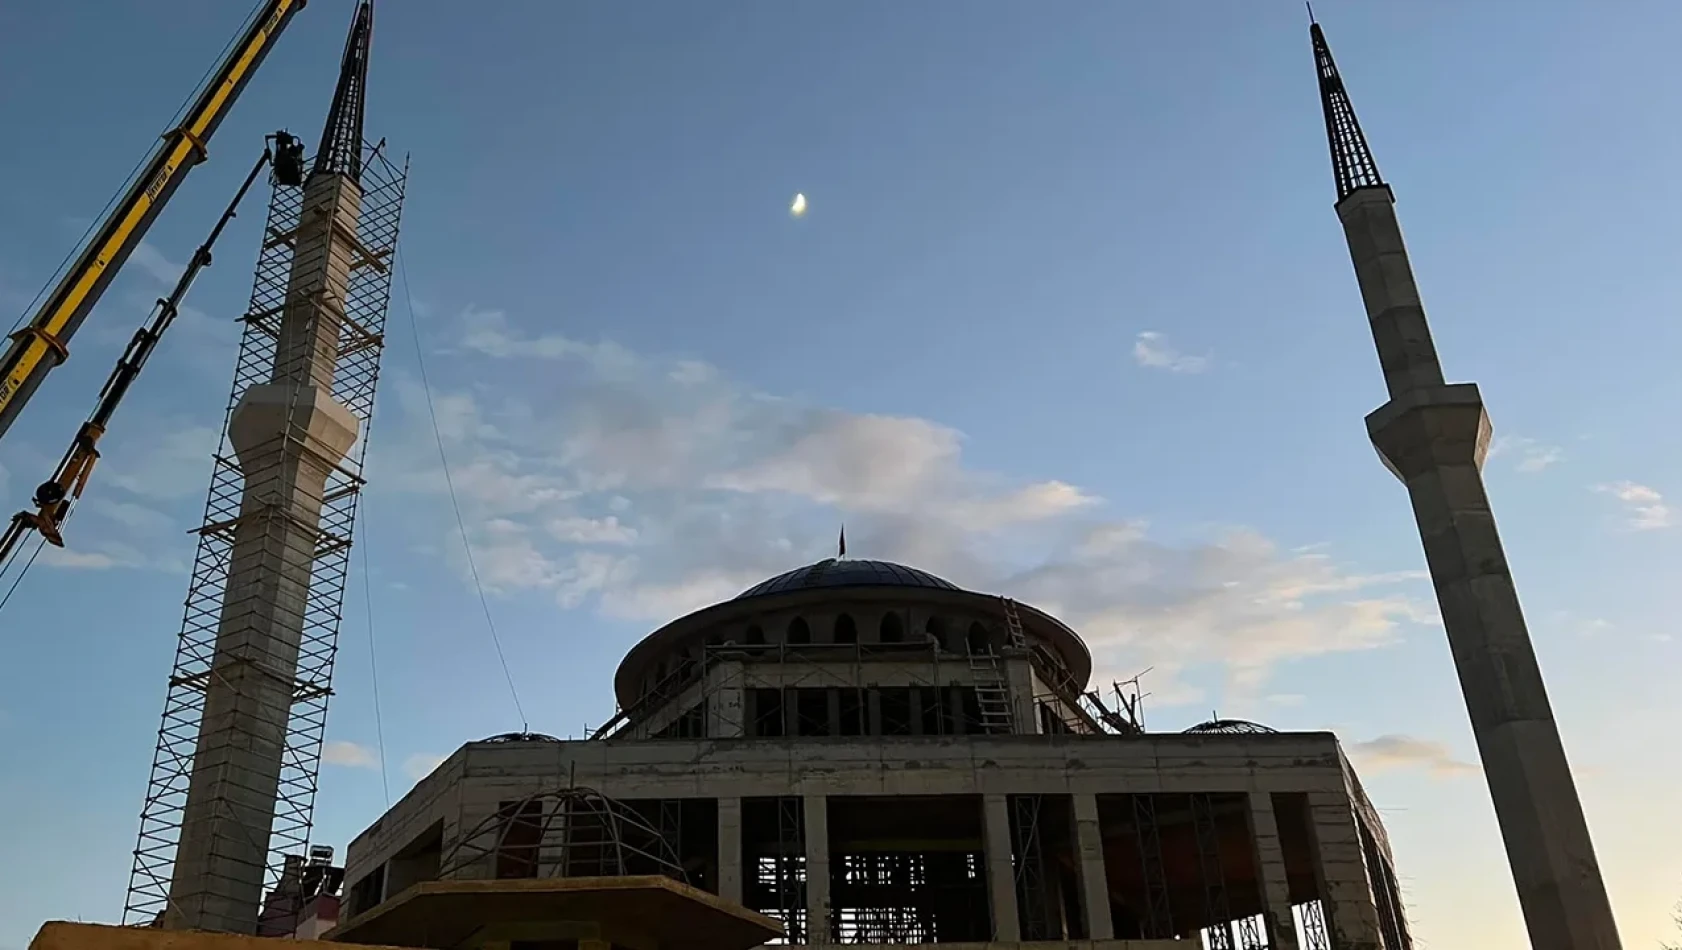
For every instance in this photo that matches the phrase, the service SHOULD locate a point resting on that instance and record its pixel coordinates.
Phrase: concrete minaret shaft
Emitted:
(288, 434)
(1434, 436)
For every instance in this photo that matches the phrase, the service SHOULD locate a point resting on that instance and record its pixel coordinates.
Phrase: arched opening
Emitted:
(798, 632)
(977, 639)
(846, 631)
(892, 629)
(935, 629)
(755, 636)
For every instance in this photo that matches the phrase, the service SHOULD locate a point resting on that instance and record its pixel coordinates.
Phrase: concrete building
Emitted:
(1434, 435)
(870, 754)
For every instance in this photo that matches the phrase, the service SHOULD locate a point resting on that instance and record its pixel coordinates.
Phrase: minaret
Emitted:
(1433, 436)
(289, 434)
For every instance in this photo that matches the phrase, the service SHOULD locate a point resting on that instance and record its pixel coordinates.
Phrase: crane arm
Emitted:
(43, 343)
(56, 496)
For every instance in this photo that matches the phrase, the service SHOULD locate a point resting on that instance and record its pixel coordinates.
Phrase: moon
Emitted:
(797, 209)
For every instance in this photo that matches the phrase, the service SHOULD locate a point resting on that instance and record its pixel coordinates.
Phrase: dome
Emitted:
(833, 572)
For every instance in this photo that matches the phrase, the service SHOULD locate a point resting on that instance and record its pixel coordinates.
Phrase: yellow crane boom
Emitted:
(43, 343)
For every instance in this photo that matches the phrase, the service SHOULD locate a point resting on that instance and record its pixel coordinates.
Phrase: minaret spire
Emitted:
(340, 149)
(1352, 163)
(1434, 436)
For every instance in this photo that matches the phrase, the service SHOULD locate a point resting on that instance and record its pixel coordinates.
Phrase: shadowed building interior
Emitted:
(867, 753)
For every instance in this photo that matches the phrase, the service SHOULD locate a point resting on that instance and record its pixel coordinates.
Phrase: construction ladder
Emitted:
(1013, 626)
(992, 692)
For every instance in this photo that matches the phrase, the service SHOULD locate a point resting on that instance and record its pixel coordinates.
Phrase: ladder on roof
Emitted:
(1013, 626)
(992, 686)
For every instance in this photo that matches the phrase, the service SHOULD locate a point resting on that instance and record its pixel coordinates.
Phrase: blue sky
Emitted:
(1069, 318)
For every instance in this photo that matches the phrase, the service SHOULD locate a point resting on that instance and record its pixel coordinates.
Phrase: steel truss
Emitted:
(1032, 887)
(1312, 916)
(1216, 912)
(300, 722)
(789, 868)
(1159, 912)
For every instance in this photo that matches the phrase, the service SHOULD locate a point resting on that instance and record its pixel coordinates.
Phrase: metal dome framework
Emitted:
(562, 833)
(521, 737)
(1242, 727)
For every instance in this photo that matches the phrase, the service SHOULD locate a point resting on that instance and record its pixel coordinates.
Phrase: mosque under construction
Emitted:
(853, 752)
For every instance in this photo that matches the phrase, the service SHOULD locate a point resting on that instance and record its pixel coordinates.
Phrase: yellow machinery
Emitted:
(43, 343)
(56, 496)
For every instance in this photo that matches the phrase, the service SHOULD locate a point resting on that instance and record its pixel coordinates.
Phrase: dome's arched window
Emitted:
(977, 639)
(755, 636)
(798, 632)
(846, 631)
(935, 629)
(892, 629)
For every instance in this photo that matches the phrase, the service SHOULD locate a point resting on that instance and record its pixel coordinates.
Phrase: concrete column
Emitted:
(1434, 438)
(1341, 873)
(1094, 877)
(1271, 874)
(1001, 870)
(307, 350)
(730, 849)
(288, 435)
(1019, 673)
(816, 810)
(726, 705)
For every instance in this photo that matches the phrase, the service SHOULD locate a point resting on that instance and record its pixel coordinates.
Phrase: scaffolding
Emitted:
(682, 703)
(1158, 915)
(1039, 919)
(299, 719)
(1218, 932)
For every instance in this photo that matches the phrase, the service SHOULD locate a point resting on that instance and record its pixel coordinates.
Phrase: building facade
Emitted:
(870, 754)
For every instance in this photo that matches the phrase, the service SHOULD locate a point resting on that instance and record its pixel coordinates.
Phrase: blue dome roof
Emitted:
(847, 573)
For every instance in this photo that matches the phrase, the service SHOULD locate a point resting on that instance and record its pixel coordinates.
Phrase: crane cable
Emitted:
(39, 544)
(373, 656)
(455, 503)
(128, 179)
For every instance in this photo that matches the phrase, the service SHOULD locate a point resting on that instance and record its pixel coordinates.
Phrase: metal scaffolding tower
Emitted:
(234, 776)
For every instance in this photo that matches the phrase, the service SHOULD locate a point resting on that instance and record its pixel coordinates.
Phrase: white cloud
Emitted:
(577, 530)
(421, 764)
(95, 554)
(173, 464)
(1153, 350)
(157, 266)
(645, 488)
(1532, 455)
(80, 560)
(348, 754)
(138, 517)
(1645, 507)
(1407, 752)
